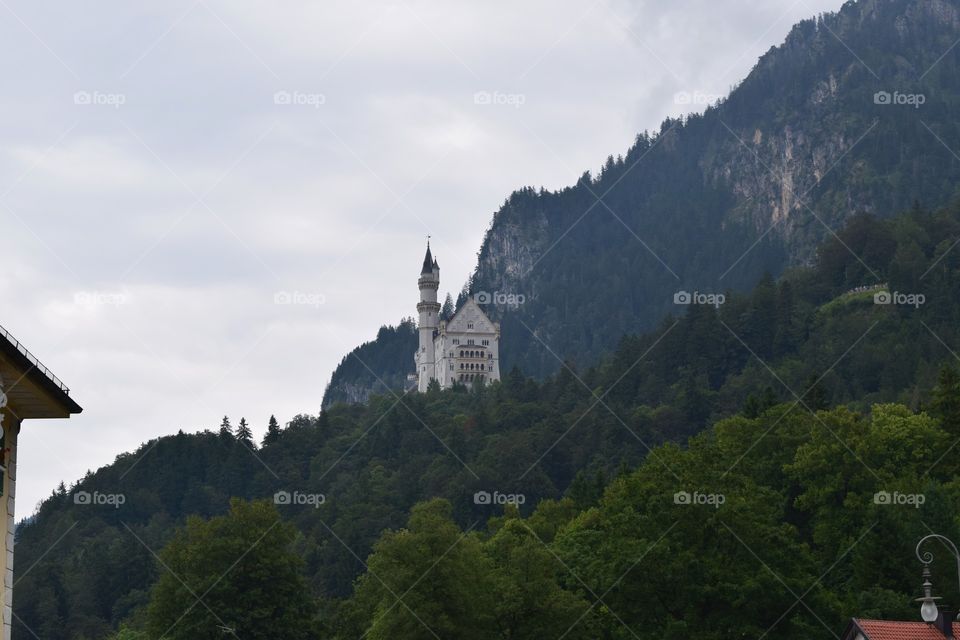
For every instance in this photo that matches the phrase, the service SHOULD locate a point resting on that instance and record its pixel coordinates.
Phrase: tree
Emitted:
(273, 432)
(244, 434)
(531, 603)
(445, 581)
(448, 309)
(243, 568)
(946, 400)
(226, 429)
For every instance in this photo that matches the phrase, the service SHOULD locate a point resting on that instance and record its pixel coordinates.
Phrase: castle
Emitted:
(462, 349)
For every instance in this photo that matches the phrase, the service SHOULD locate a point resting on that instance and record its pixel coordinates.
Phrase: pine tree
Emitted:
(946, 400)
(226, 429)
(244, 434)
(273, 432)
(447, 311)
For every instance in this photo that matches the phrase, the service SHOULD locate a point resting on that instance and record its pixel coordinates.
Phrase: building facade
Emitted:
(28, 390)
(461, 350)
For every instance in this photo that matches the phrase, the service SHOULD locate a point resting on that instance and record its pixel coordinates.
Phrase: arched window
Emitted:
(481, 366)
(461, 353)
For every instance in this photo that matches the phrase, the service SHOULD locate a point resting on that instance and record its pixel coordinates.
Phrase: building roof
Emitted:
(32, 380)
(428, 261)
(897, 630)
(471, 311)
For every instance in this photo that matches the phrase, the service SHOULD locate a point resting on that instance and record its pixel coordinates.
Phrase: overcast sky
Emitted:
(168, 168)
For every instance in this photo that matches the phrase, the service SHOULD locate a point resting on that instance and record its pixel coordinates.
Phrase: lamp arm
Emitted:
(927, 557)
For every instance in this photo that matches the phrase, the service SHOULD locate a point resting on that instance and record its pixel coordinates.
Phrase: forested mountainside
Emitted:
(818, 337)
(854, 113)
(376, 366)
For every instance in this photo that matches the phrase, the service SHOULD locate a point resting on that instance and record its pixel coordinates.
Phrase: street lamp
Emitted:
(928, 610)
(928, 606)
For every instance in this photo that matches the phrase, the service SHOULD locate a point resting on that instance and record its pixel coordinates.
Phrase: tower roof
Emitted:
(428, 261)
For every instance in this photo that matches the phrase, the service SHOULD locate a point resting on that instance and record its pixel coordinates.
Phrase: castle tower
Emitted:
(429, 310)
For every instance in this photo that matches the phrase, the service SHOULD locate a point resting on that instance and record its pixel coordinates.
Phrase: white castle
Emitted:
(463, 349)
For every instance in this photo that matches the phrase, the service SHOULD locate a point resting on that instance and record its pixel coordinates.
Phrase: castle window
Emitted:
(481, 366)
(469, 325)
(470, 341)
(485, 343)
(451, 366)
(461, 353)
(456, 341)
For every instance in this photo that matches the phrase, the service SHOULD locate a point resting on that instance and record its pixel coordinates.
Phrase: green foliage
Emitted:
(547, 440)
(774, 525)
(234, 574)
(434, 580)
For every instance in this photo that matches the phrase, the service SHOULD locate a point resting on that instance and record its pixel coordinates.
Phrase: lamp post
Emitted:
(928, 606)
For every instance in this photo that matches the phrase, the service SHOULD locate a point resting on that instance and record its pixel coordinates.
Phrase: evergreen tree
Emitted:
(273, 432)
(244, 434)
(448, 309)
(226, 429)
(946, 400)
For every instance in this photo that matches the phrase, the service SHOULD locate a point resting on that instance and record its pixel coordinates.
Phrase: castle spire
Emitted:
(428, 261)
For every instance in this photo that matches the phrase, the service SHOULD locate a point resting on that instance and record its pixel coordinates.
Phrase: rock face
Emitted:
(856, 112)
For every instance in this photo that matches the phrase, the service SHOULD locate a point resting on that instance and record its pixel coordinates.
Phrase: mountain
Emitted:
(854, 113)
(376, 366)
(815, 338)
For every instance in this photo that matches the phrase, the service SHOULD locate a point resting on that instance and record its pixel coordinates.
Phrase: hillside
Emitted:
(711, 202)
(92, 566)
